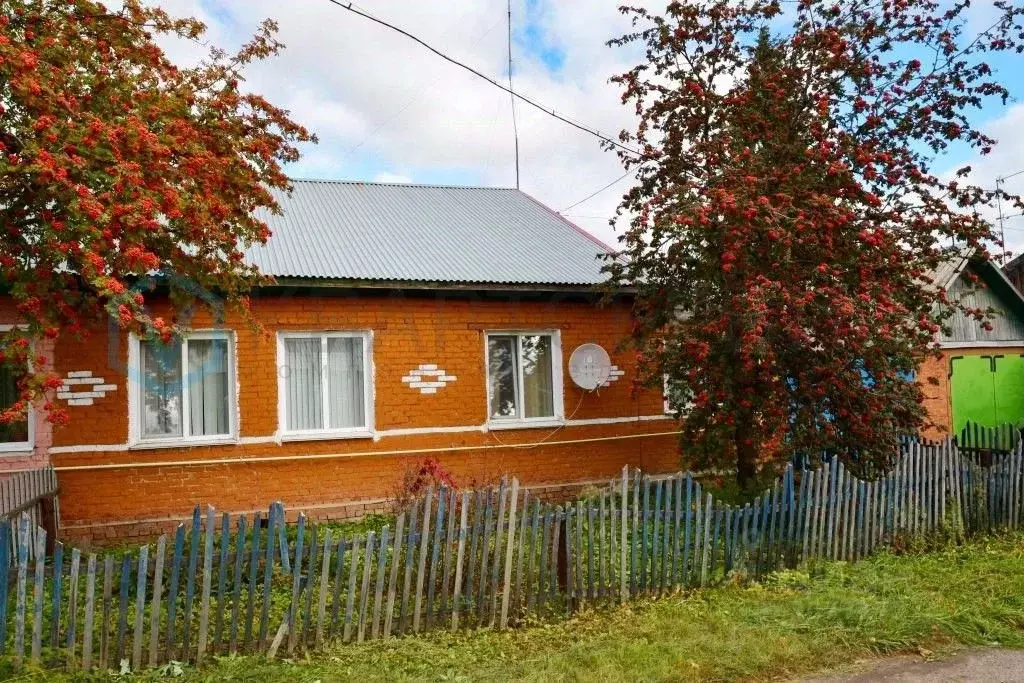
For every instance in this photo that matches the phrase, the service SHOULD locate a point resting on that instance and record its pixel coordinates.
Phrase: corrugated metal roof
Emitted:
(948, 270)
(424, 233)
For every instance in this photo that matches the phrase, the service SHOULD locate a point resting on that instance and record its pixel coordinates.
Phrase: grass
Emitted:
(794, 622)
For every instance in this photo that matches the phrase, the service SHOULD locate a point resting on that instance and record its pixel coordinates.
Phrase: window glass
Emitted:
(345, 385)
(161, 387)
(12, 432)
(538, 393)
(186, 388)
(305, 391)
(520, 376)
(208, 391)
(502, 375)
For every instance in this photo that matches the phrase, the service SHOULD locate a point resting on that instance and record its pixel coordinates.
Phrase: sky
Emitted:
(385, 109)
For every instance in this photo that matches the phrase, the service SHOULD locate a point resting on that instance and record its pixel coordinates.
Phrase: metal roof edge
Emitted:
(377, 183)
(570, 224)
(343, 283)
(1001, 282)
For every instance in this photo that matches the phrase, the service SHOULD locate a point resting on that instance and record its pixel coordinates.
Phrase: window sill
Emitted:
(326, 436)
(502, 425)
(16, 449)
(183, 443)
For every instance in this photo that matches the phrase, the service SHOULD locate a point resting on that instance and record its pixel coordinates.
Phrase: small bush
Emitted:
(416, 479)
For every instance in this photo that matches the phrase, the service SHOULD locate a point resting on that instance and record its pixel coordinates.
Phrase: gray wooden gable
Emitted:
(994, 292)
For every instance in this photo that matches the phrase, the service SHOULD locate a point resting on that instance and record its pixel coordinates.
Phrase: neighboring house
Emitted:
(980, 372)
(406, 322)
(1014, 270)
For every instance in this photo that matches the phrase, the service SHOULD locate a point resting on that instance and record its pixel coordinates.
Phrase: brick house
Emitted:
(980, 372)
(405, 322)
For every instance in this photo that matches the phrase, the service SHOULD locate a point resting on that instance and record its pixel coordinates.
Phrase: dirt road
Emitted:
(990, 665)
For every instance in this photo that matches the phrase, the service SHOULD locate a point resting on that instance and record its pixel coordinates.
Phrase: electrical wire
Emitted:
(419, 93)
(1000, 181)
(599, 191)
(540, 442)
(200, 462)
(1012, 175)
(588, 215)
(533, 103)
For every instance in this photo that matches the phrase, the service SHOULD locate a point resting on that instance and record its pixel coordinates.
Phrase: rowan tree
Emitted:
(789, 206)
(116, 164)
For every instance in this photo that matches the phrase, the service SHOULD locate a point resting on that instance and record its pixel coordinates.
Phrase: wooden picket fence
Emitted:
(492, 558)
(33, 493)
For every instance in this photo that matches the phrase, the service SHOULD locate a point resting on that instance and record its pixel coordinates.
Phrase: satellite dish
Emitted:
(589, 366)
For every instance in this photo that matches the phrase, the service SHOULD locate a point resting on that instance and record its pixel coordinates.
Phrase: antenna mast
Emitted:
(512, 97)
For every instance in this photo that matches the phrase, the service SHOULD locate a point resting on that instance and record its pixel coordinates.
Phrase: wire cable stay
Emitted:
(599, 191)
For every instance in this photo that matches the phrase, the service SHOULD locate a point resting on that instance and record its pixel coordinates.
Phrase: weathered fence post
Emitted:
(564, 564)
(50, 523)
(623, 545)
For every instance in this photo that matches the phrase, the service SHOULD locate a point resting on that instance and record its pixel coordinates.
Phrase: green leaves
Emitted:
(116, 164)
(784, 226)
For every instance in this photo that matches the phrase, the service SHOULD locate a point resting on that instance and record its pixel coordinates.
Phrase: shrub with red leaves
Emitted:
(417, 478)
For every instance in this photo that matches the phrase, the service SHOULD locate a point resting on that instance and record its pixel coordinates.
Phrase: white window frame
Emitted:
(520, 422)
(20, 447)
(136, 401)
(366, 431)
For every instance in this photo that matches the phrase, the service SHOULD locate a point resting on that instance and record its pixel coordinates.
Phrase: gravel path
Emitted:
(990, 665)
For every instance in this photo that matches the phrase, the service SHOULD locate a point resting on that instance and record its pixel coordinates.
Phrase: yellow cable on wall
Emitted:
(337, 456)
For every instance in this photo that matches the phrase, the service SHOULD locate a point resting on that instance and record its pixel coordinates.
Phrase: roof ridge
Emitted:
(441, 186)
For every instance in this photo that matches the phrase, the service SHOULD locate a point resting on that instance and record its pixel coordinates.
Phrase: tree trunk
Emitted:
(746, 459)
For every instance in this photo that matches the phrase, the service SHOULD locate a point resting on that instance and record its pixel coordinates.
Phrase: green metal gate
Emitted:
(987, 390)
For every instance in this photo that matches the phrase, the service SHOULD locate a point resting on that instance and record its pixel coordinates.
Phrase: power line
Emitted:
(512, 97)
(1012, 175)
(999, 206)
(598, 191)
(1014, 228)
(496, 84)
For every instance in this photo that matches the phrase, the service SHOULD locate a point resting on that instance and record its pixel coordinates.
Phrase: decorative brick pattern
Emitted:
(80, 388)
(614, 375)
(419, 378)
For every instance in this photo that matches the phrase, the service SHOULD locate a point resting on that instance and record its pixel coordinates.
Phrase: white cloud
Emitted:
(386, 107)
(1006, 159)
(386, 177)
(379, 102)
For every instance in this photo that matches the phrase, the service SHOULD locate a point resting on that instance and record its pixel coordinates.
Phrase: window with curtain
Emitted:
(12, 433)
(186, 388)
(520, 376)
(324, 382)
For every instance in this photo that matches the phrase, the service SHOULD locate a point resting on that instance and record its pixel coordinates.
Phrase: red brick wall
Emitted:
(108, 490)
(936, 395)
